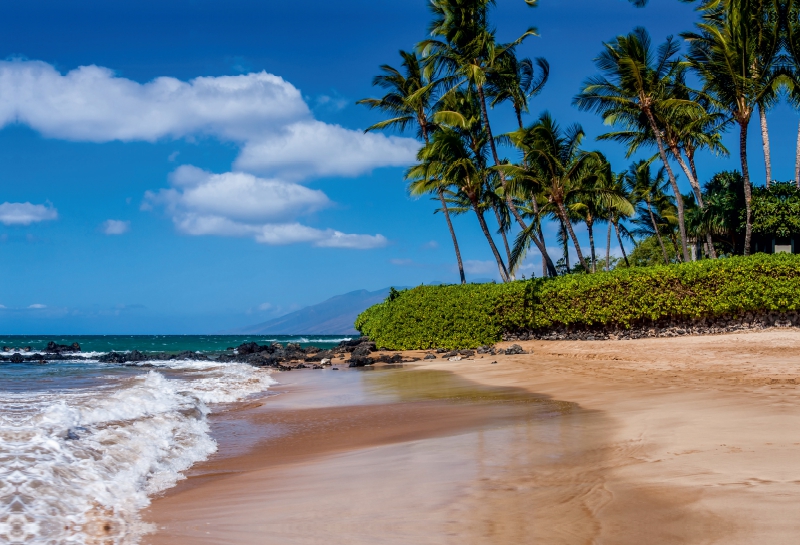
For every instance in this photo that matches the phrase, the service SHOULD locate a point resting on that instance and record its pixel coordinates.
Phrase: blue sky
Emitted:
(137, 198)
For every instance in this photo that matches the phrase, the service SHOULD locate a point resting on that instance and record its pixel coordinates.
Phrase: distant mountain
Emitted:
(332, 317)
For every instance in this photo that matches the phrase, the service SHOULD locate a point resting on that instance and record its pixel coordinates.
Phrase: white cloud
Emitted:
(265, 306)
(25, 213)
(37, 306)
(281, 143)
(261, 111)
(474, 266)
(243, 205)
(115, 227)
(311, 148)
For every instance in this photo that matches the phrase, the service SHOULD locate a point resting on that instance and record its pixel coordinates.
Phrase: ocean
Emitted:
(84, 445)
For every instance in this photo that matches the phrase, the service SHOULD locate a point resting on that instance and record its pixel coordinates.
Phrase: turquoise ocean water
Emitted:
(84, 445)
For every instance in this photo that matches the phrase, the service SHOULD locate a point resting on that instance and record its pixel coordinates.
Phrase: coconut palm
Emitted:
(554, 164)
(726, 54)
(452, 160)
(409, 103)
(633, 84)
(463, 49)
(516, 81)
(648, 192)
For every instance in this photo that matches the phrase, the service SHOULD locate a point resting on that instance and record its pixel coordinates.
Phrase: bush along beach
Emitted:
(707, 296)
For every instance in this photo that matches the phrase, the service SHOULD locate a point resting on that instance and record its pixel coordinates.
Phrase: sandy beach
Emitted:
(683, 440)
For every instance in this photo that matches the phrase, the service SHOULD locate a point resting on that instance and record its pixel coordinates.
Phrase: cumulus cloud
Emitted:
(243, 205)
(37, 306)
(263, 112)
(115, 227)
(281, 144)
(474, 266)
(25, 213)
(312, 148)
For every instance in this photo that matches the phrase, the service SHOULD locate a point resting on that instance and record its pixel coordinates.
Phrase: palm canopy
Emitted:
(634, 83)
(409, 97)
(555, 167)
(517, 80)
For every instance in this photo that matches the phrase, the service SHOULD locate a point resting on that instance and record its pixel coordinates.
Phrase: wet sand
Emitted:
(687, 440)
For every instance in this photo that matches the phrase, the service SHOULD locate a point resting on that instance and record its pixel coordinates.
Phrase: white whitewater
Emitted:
(77, 466)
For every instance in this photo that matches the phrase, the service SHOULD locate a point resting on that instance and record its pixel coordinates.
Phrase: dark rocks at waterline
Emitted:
(429, 357)
(360, 361)
(668, 327)
(17, 358)
(513, 350)
(394, 358)
(55, 348)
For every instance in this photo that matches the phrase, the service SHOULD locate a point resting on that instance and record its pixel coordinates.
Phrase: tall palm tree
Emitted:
(409, 102)
(450, 155)
(633, 83)
(726, 55)
(464, 49)
(554, 163)
(517, 81)
(648, 193)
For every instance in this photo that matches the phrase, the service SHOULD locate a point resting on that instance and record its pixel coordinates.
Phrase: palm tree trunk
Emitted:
(452, 234)
(548, 268)
(563, 213)
(797, 160)
(503, 234)
(565, 248)
(712, 253)
(672, 182)
(511, 206)
(765, 140)
(608, 246)
(621, 247)
(658, 235)
(748, 231)
(689, 175)
(590, 227)
(500, 265)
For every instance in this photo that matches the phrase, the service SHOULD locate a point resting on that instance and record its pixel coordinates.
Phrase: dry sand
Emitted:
(685, 440)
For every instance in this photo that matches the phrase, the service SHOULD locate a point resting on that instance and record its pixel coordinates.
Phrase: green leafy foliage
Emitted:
(467, 316)
(776, 211)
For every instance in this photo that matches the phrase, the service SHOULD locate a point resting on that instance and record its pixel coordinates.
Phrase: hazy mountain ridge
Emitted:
(331, 317)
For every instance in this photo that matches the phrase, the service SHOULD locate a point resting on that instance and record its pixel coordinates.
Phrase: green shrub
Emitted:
(468, 316)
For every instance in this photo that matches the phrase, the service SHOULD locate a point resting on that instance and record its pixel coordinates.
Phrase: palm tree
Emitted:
(450, 156)
(464, 48)
(409, 102)
(633, 84)
(648, 192)
(726, 54)
(517, 81)
(554, 164)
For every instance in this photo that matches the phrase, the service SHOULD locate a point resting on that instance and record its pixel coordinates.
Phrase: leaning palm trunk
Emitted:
(747, 189)
(672, 182)
(563, 213)
(500, 265)
(608, 247)
(505, 238)
(658, 235)
(539, 243)
(590, 227)
(797, 160)
(762, 115)
(619, 241)
(452, 234)
(712, 253)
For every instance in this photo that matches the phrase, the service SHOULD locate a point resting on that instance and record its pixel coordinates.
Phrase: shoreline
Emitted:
(666, 440)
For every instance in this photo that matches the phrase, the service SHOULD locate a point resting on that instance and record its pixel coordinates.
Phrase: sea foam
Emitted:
(78, 466)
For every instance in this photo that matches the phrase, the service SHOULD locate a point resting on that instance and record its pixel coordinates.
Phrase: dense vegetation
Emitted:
(467, 316)
(665, 103)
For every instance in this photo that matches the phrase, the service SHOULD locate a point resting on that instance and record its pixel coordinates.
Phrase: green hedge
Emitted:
(456, 316)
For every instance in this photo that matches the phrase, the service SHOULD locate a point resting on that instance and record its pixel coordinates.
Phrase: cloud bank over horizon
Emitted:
(281, 144)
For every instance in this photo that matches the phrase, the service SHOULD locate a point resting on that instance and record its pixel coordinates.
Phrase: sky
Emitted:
(193, 166)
